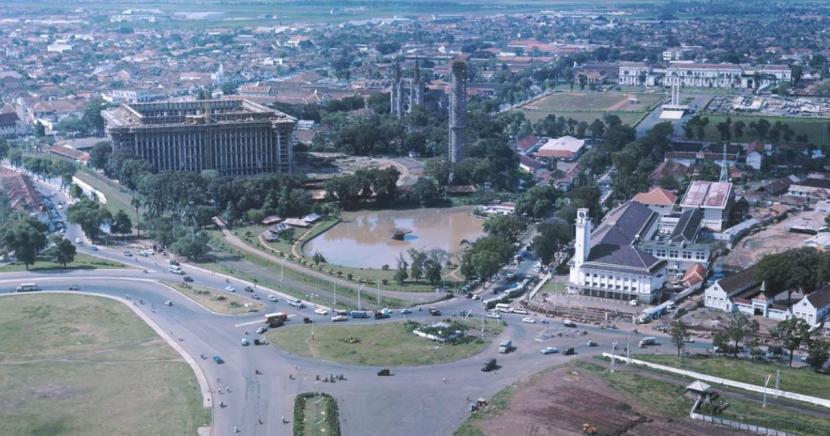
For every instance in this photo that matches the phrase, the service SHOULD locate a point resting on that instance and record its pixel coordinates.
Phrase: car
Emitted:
(245, 342)
(230, 288)
(249, 289)
(549, 350)
(386, 312)
(128, 254)
(218, 360)
(273, 298)
(93, 248)
(476, 297)
(261, 330)
(79, 241)
(519, 311)
(569, 352)
(168, 303)
(591, 343)
(188, 279)
(74, 288)
(321, 311)
(434, 312)
(174, 262)
(339, 318)
(143, 253)
(529, 320)
(256, 297)
(307, 320)
(494, 315)
(405, 311)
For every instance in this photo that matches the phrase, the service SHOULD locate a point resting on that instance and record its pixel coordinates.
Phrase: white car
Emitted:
(230, 289)
(404, 311)
(494, 315)
(549, 350)
(321, 311)
(245, 342)
(261, 330)
(168, 303)
(272, 298)
(386, 312)
(519, 311)
(338, 318)
(529, 320)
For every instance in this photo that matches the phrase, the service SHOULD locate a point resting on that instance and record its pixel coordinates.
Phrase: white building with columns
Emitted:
(607, 262)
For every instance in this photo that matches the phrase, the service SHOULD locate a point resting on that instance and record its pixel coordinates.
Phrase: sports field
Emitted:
(588, 106)
(84, 365)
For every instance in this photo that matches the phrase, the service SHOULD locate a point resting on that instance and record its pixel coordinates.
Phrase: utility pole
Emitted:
(613, 355)
(379, 293)
(769, 376)
(334, 302)
(360, 288)
(777, 381)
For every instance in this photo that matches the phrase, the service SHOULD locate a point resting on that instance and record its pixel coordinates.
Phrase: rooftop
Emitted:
(191, 112)
(710, 195)
(657, 196)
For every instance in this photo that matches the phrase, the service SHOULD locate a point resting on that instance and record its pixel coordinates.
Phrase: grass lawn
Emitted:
(83, 365)
(554, 287)
(82, 261)
(667, 399)
(388, 344)
(802, 381)
(218, 301)
(318, 416)
(816, 129)
(589, 106)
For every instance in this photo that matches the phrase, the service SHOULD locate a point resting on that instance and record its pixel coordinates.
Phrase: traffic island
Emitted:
(315, 413)
(387, 344)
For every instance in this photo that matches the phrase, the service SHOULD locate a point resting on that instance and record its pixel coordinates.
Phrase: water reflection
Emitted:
(364, 239)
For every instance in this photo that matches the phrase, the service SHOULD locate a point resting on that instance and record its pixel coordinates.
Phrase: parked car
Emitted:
(549, 350)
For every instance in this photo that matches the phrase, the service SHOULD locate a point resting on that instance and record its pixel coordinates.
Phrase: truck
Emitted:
(276, 319)
(505, 346)
(359, 314)
(27, 287)
(648, 340)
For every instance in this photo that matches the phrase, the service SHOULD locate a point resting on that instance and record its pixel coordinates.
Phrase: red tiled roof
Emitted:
(657, 196)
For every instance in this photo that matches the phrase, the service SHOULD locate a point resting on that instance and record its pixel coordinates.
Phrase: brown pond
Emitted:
(365, 239)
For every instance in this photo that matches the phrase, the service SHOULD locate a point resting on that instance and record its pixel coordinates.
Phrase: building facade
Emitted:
(233, 137)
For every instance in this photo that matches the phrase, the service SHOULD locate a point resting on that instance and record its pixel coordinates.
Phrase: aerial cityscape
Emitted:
(366, 217)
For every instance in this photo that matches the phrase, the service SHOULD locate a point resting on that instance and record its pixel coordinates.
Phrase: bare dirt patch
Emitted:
(561, 401)
(773, 239)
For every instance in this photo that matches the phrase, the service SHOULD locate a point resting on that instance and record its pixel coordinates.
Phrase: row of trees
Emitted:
(799, 269)
(25, 238)
(422, 264)
(728, 130)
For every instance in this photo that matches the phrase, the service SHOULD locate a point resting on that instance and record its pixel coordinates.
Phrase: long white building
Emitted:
(699, 75)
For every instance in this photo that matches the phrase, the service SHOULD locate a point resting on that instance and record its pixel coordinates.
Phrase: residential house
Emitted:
(813, 308)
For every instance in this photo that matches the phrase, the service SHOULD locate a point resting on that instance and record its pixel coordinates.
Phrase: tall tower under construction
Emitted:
(458, 117)
(396, 96)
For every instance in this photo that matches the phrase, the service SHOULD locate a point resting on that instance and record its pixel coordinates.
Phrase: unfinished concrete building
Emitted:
(412, 93)
(233, 137)
(458, 119)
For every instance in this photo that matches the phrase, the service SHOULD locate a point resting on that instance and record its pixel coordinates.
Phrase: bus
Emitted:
(27, 287)
(503, 307)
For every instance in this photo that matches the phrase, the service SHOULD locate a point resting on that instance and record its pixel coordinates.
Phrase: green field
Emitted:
(388, 344)
(82, 261)
(816, 129)
(667, 399)
(118, 197)
(803, 381)
(83, 365)
(589, 106)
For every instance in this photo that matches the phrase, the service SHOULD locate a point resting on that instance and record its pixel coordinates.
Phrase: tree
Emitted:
(504, 226)
(739, 329)
(100, 154)
(485, 257)
(92, 119)
(792, 333)
(678, 333)
(25, 237)
(432, 271)
(63, 169)
(75, 191)
(796, 73)
(551, 236)
(538, 201)
(401, 274)
(818, 352)
(229, 88)
(89, 215)
(63, 252)
(193, 246)
(416, 266)
(318, 258)
(121, 223)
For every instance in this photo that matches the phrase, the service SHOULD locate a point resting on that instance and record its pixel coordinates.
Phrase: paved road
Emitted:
(415, 401)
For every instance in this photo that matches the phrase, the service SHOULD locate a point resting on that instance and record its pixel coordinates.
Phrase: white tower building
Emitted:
(582, 243)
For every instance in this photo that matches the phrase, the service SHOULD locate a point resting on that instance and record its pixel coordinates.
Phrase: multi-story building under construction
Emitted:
(233, 137)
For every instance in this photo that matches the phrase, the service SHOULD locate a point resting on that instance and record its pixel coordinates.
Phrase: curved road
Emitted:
(415, 401)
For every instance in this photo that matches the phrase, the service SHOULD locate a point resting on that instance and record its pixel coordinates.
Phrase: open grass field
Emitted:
(218, 301)
(388, 344)
(816, 129)
(800, 380)
(82, 261)
(83, 365)
(588, 106)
